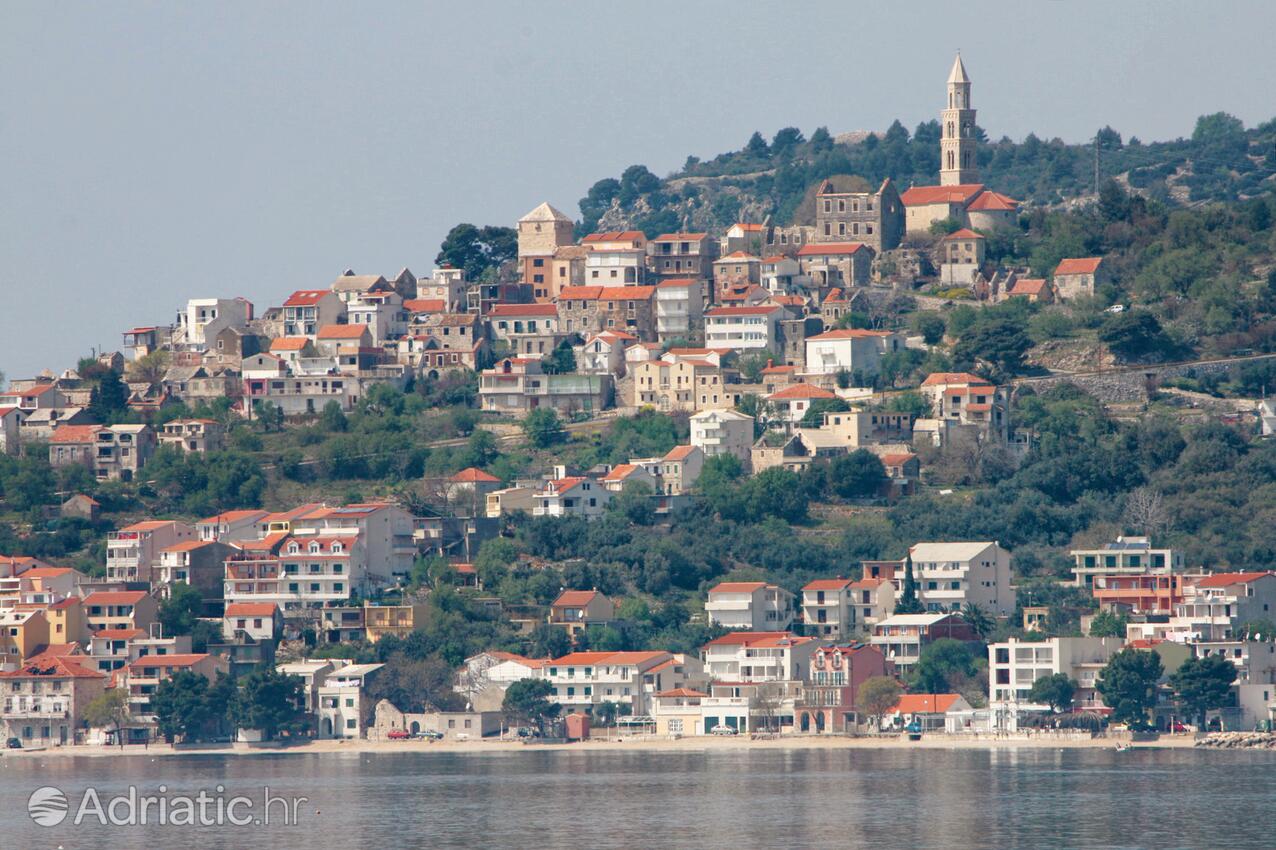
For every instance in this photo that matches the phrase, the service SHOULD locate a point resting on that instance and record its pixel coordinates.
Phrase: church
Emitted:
(959, 194)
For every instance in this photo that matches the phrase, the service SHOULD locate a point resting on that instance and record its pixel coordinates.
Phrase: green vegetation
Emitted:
(1056, 691)
(1204, 684)
(1128, 685)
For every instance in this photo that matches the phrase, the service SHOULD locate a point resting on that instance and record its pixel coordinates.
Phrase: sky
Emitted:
(155, 152)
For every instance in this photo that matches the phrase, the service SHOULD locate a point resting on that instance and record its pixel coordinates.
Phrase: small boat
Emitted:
(1120, 748)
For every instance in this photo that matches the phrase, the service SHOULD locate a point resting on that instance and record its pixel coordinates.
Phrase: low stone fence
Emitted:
(1239, 740)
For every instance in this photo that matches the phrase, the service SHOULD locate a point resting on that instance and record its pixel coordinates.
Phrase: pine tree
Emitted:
(908, 602)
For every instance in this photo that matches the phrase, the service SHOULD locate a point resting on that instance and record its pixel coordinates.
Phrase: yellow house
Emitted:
(397, 620)
(22, 633)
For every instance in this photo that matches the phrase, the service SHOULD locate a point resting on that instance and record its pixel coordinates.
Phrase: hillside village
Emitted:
(591, 479)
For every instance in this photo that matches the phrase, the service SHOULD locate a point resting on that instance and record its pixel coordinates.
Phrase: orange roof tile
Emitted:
(829, 248)
(473, 475)
(964, 233)
(251, 609)
(800, 391)
(679, 237)
(425, 305)
(920, 196)
(342, 331)
(115, 597)
(990, 201)
(574, 598)
(75, 433)
(1229, 579)
(189, 659)
(851, 333)
(938, 378)
(737, 586)
(828, 584)
(756, 310)
(679, 453)
(925, 703)
(306, 297)
(1085, 265)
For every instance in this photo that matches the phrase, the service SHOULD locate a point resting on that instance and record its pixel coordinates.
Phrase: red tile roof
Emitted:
(289, 343)
(473, 475)
(188, 546)
(52, 667)
(615, 236)
(754, 638)
(677, 283)
(342, 331)
(425, 305)
(925, 703)
(1229, 579)
(736, 256)
(47, 572)
(828, 584)
(830, 248)
(1028, 286)
(620, 472)
(682, 692)
(147, 525)
(115, 597)
(800, 391)
(993, 202)
(499, 310)
(920, 196)
(737, 587)
(306, 297)
(897, 459)
(562, 485)
(679, 453)
(964, 233)
(75, 433)
(749, 228)
(938, 378)
(232, 516)
(251, 609)
(1085, 265)
(605, 293)
(119, 634)
(574, 598)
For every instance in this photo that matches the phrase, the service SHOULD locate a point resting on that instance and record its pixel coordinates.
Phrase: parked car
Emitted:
(14, 743)
(430, 734)
(720, 729)
(398, 735)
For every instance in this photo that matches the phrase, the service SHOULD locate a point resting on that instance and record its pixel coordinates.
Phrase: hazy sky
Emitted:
(154, 152)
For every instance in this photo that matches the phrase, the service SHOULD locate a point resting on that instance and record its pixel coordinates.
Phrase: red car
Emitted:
(398, 735)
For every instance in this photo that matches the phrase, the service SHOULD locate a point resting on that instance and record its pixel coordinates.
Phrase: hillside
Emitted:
(1221, 161)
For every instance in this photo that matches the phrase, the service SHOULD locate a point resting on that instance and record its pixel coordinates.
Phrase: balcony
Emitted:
(37, 710)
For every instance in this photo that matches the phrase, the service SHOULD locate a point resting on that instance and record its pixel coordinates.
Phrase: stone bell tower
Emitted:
(957, 145)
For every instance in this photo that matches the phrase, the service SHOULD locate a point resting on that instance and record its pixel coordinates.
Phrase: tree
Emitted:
(814, 416)
(1107, 624)
(1134, 333)
(543, 427)
(149, 368)
(108, 398)
(477, 250)
(180, 705)
(108, 709)
(1145, 511)
(527, 701)
(269, 702)
(857, 474)
(1000, 342)
(751, 367)
(550, 641)
(908, 602)
(757, 146)
(416, 685)
(821, 140)
(943, 666)
(1204, 684)
(1128, 684)
(178, 613)
(332, 418)
(878, 695)
(930, 325)
(561, 361)
(979, 620)
(1055, 691)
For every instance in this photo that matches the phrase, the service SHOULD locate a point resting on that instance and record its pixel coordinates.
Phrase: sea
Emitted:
(843, 798)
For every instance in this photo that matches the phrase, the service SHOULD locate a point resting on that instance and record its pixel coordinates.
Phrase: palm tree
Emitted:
(979, 620)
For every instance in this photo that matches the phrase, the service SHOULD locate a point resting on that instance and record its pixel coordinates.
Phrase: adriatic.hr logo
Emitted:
(47, 806)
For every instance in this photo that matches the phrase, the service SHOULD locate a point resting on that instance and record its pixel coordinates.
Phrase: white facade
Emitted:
(571, 497)
(850, 350)
(758, 657)
(745, 329)
(204, 318)
(723, 432)
(679, 309)
(583, 680)
(954, 576)
(752, 606)
(342, 700)
(1015, 665)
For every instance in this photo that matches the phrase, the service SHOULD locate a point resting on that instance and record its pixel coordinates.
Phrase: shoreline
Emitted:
(692, 744)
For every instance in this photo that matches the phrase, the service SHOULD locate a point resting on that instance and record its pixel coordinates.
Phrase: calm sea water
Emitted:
(876, 799)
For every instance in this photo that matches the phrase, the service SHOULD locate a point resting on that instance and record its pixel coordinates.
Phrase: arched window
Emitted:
(950, 159)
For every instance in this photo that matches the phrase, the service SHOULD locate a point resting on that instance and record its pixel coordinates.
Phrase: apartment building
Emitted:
(828, 608)
(519, 385)
(119, 609)
(719, 432)
(749, 330)
(308, 310)
(1214, 607)
(679, 385)
(615, 259)
(682, 255)
(680, 309)
(133, 553)
(1127, 556)
(955, 576)
(583, 680)
(115, 452)
(197, 563)
(193, 435)
(750, 606)
(850, 350)
(902, 637)
(1014, 665)
(44, 700)
(748, 657)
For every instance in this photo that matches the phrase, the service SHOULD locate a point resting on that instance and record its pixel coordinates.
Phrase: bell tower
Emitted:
(957, 144)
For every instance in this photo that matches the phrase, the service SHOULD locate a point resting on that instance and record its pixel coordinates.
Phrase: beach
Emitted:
(627, 744)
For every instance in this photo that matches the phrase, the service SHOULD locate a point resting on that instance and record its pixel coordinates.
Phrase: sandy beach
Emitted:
(696, 744)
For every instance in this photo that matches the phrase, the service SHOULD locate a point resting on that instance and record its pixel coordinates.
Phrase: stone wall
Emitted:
(1135, 383)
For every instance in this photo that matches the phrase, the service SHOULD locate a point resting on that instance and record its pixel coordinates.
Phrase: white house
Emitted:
(583, 680)
(954, 576)
(850, 349)
(777, 656)
(345, 711)
(746, 329)
(679, 309)
(751, 606)
(723, 432)
(1014, 665)
(571, 496)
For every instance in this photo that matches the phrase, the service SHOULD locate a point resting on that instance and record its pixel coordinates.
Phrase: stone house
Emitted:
(874, 218)
(588, 309)
(1074, 278)
(836, 264)
(681, 255)
(540, 234)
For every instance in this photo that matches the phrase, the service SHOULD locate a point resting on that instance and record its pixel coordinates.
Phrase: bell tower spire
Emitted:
(957, 144)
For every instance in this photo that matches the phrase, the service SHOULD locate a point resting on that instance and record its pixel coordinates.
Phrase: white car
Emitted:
(723, 730)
